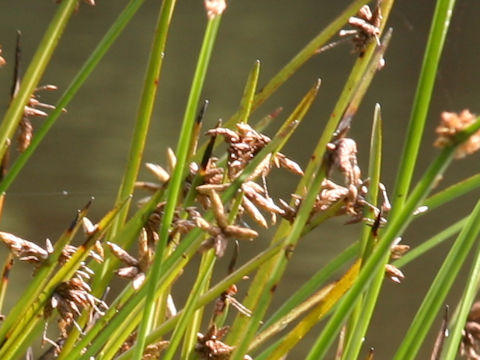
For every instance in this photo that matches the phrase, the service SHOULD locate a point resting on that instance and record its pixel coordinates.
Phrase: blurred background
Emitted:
(85, 153)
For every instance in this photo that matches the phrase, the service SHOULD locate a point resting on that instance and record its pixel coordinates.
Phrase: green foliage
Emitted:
(206, 195)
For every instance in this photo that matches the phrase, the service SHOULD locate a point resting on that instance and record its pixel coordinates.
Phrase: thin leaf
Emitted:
(249, 93)
(428, 74)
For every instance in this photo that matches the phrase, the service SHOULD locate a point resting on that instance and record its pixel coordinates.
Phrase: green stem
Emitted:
(72, 89)
(375, 261)
(442, 283)
(176, 180)
(395, 227)
(214, 292)
(428, 73)
(470, 292)
(35, 72)
(203, 278)
(364, 308)
(147, 102)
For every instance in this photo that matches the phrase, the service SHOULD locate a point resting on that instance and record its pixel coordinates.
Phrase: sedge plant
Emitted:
(213, 195)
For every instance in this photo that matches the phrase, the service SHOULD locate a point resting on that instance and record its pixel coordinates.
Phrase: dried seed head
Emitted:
(243, 145)
(147, 185)
(215, 8)
(259, 197)
(69, 298)
(49, 246)
(452, 123)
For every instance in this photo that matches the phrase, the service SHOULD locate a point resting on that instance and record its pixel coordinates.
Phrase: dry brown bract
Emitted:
(470, 345)
(215, 8)
(451, 123)
(366, 27)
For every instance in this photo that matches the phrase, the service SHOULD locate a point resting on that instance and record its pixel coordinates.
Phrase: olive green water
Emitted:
(85, 152)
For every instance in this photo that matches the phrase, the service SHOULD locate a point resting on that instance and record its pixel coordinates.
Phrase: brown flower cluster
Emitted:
(341, 158)
(450, 124)
(70, 297)
(136, 269)
(366, 28)
(244, 144)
